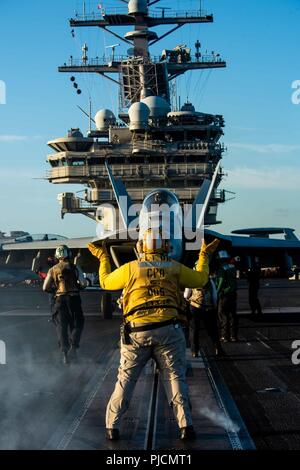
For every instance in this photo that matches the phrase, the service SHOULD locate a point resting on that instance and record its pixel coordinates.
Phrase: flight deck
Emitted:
(247, 400)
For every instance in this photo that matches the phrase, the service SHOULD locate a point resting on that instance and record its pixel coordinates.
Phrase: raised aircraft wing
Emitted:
(246, 243)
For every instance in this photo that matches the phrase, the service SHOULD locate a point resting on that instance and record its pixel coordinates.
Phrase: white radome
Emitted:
(138, 116)
(157, 105)
(104, 118)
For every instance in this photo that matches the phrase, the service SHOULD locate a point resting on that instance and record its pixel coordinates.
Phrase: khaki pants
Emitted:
(167, 346)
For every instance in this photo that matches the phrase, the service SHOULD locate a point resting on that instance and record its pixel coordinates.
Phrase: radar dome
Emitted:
(138, 116)
(137, 6)
(158, 106)
(104, 118)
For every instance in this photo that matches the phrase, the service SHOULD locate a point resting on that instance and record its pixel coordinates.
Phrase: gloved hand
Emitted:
(98, 251)
(210, 249)
(139, 246)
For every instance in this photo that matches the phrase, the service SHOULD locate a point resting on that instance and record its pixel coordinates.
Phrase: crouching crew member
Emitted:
(65, 281)
(152, 300)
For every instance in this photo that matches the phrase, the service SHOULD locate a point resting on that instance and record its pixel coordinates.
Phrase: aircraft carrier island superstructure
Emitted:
(151, 144)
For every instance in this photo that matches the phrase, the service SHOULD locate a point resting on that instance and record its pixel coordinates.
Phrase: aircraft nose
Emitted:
(161, 210)
(160, 197)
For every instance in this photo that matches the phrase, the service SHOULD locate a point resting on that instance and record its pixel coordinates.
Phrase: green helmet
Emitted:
(62, 251)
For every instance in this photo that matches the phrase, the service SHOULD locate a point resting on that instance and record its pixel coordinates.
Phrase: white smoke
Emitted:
(220, 419)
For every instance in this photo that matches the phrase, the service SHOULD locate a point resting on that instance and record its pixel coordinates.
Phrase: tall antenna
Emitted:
(173, 95)
(87, 114)
(90, 114)
(84, 53)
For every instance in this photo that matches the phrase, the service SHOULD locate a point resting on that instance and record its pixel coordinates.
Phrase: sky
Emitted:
(258, 39)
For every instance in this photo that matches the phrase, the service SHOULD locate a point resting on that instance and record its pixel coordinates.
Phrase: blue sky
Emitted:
(258, 39)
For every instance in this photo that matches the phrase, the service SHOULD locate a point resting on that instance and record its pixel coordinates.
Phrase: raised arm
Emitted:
(199, 277)
(109, 280)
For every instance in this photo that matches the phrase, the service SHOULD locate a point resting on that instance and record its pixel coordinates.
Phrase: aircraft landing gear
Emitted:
(106, 306)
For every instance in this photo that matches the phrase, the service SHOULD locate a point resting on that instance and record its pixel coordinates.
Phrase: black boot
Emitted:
(112, 434)
(219, 351)
(187, 434)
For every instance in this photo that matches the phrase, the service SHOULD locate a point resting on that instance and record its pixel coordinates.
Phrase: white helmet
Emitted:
(154, 241)
(62, 252)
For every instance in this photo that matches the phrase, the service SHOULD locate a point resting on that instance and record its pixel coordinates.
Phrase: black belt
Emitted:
(150, 307)
(151, 326)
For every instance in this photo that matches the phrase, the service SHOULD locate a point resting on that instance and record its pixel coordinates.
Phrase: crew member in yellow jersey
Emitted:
(152, 299)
